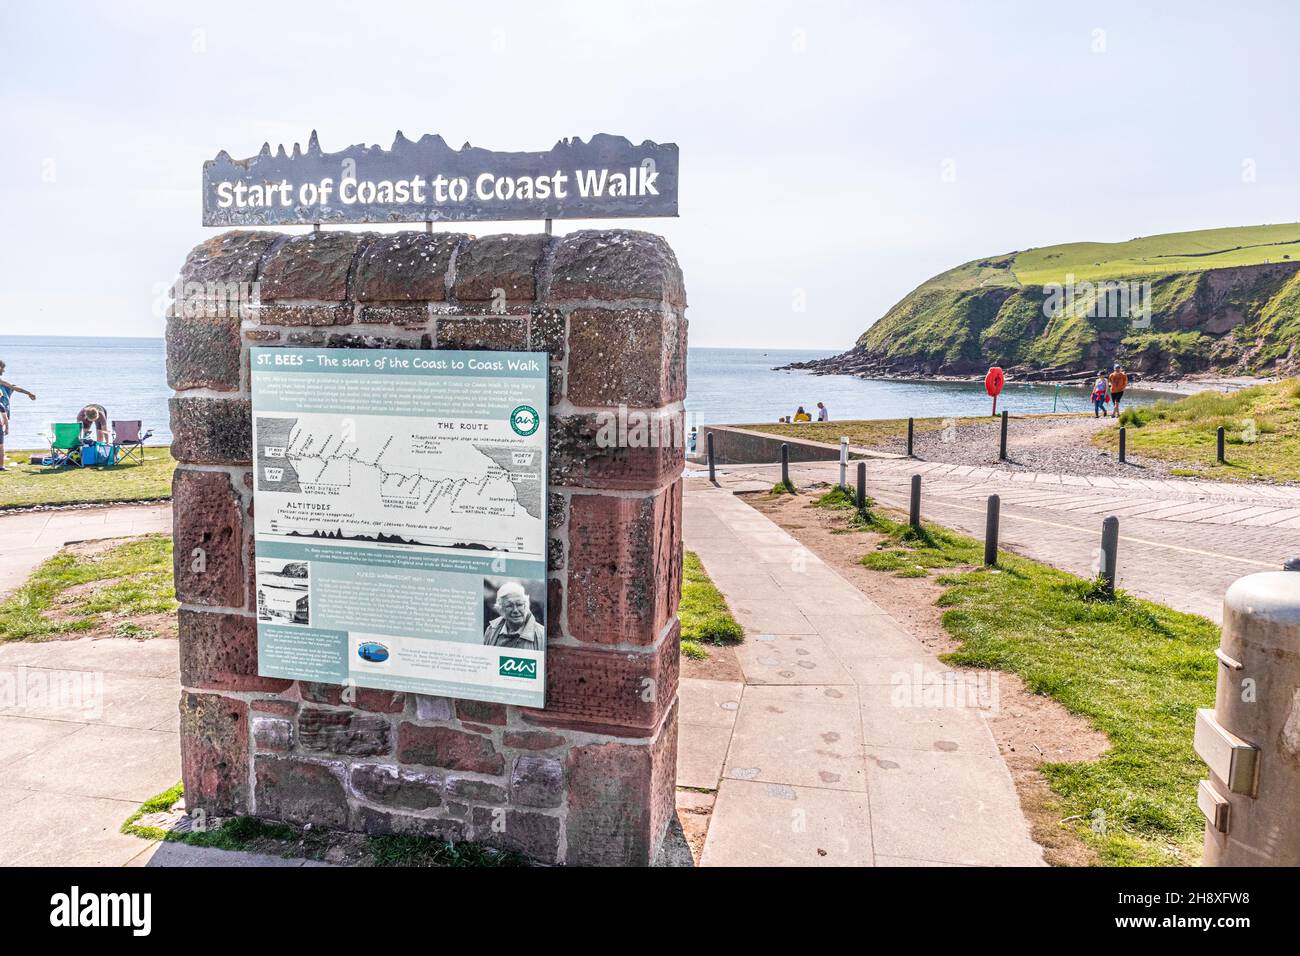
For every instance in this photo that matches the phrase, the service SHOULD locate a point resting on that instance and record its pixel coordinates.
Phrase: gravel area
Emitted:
(1055, 444)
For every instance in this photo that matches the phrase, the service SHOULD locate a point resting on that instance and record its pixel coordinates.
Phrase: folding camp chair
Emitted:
(65, 445)
(129, 441)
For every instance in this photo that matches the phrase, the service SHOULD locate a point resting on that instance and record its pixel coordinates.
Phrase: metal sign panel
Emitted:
(428, 181)
(400, 519)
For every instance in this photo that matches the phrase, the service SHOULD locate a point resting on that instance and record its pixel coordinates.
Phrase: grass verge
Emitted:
(123, 591)
(704, 614)
(253, 835)
(1137, 670)
(1261, 430)
(23, 485)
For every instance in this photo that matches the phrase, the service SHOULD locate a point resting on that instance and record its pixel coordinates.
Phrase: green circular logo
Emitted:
(525, 420)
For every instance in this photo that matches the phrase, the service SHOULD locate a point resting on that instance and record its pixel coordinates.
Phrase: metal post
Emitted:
(862, 485)
(914, 512)
(713, 474)
(910, 429)
(1123, 444)
(1109, 552)
(785, 464)
(1220, 436)
(1002, 451)
(991, 531)
(844, 462)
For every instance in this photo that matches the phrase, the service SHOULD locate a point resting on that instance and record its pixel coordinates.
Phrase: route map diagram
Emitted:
(415, 481)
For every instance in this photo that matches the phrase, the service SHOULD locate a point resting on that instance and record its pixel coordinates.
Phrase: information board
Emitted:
(400, 519)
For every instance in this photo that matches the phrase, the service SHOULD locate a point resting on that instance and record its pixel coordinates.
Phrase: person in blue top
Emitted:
(7, 390)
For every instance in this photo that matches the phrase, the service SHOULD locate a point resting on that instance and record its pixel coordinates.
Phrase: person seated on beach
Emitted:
(94, 423)
(801, 416)
(7, 390)
(823, 413)
(1099, 390)
(1118, 382)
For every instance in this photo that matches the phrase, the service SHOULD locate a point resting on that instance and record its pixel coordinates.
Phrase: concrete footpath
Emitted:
(29, 537)
(817, 759)
(95, 731)
(1182, 541)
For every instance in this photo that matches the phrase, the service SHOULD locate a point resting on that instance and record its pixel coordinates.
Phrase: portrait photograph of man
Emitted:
(514, 617)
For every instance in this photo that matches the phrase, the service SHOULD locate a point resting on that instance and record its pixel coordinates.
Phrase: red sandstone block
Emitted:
(615, 264)
(631, 450)
(445, 747)
(535, 835)
(634, 357)
(500, 269)
(299, 790)
(621, 799)
(597, 690)
(406, 266)
(211, 431)
(312, 266)
(208, 534)
(481, 711)
(500, 333)
(219, 651)
(531, 740)
(214, 753)
(624, 572)
(379, 701)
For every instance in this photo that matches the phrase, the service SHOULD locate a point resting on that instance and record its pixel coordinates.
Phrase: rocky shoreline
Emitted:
(1185, 385)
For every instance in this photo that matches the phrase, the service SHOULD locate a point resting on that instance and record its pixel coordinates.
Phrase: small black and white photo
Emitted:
(283, 591)
(514, 613)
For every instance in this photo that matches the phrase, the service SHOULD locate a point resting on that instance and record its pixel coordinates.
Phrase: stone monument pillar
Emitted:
(589, 779)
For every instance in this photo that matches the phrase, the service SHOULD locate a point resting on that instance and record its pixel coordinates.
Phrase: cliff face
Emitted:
(1235, 320)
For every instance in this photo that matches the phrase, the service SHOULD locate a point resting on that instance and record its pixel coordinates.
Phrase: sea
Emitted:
(127, 376)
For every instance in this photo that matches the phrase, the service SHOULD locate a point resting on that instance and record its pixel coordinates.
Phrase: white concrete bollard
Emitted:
(1251, 740)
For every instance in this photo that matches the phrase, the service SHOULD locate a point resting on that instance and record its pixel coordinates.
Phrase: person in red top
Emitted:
(1118, 382)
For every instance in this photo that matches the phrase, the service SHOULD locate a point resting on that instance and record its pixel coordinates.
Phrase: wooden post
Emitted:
(1002, 451)
(991, 530)
(713, 474)
(1221, 437)
(862, 485)
(785, 464)
(910, 429)
(914, 512)
(1109, 552)
(1123, 444)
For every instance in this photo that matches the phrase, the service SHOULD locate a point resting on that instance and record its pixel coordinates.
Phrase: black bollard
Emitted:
(1123, 444)
(1109, 552)
(1002, 450)
(991, 531)
(713, 473)
(862, 486)
(1220, 436)
(785, 464)
(914, 512)
(911, 427)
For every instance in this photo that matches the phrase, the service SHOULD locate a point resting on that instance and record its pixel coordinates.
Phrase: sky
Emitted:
(833, 155)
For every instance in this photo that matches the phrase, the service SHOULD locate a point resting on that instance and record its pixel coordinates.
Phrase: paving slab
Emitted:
(789, 659)
(763, 824)
(119, 763)
(947, 807)
(804, 736)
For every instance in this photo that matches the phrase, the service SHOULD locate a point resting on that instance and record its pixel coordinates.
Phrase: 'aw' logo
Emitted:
(517, 667)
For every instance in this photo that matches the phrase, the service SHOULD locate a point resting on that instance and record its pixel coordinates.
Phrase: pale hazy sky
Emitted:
(814, 136)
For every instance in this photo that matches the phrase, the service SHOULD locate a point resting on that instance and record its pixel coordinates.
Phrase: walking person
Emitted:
(1118, 382)
(1100, 389)
(823, 413)
(7, 390)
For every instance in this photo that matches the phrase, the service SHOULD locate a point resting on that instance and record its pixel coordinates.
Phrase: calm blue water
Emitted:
(127, 377)
(738, 385)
